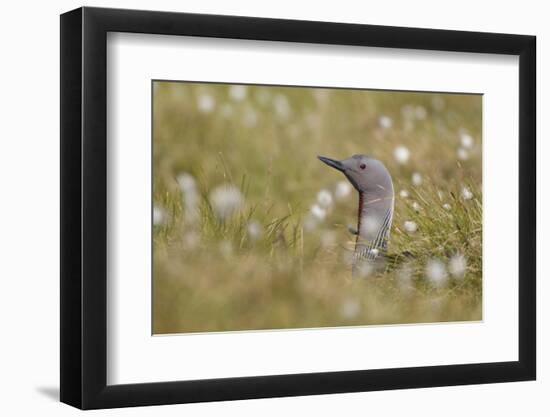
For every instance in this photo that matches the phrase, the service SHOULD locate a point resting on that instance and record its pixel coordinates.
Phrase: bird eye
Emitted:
(362, 166)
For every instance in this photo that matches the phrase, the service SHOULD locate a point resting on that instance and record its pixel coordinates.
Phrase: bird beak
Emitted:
(332, 163)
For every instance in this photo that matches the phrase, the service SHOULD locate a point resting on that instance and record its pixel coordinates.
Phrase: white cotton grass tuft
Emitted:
(416, 179)
(447, 206)
(314, 217)
(190, 195)
(159, 216)
(238, 92)
(318, 212)
(401, 154)
(462, 154)
(350, 308)
(410, 226)
(324, 198)
(385, 122)
(282, 106)
(206, 103)
(466, 140)
(254, 230)
(415, 206)
(466, 193)
(225, 199)
(458, 265)
(436, 273)
(186, 182)
(374, 252)
(404, 193)
(342, 190)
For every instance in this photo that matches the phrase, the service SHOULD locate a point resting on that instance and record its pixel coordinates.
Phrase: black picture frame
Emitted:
(84, 207)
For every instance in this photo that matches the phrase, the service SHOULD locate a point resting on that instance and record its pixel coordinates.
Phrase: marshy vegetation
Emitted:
(251, 229)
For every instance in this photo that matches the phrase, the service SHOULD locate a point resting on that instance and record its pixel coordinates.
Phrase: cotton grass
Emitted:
(342, 190)
(269, 246)
(206, 103)
(436, 273)
(401, 154)
(226, 200)
(457, 265)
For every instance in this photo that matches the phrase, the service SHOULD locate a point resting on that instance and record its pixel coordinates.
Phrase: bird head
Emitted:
(366, 174)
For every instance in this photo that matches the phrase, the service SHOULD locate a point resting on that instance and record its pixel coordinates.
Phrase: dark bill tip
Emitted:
(332, 163)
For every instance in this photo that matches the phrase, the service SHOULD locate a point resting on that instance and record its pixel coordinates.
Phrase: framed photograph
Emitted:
(258, 208)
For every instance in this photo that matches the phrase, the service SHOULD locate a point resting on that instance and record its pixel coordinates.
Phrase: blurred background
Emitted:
(251, 229)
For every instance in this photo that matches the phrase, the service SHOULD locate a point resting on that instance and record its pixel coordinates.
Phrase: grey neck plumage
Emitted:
(374, 222)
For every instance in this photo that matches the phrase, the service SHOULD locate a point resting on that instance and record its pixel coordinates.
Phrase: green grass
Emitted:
(210, 275)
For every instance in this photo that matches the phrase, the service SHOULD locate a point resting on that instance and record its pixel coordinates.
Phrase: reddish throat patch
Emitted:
(359, 212)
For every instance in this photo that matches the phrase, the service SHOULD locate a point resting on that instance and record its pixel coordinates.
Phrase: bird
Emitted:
(373, 182)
